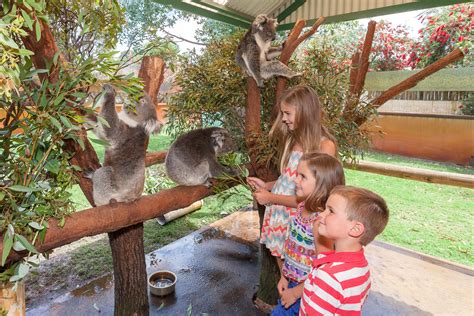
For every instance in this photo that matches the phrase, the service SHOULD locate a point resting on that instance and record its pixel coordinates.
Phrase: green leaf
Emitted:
(7, 246)
(103, 121)
(55, 58)
(99, 141)
(28, 20)
(21, 188)
(53, 166)
(38, 30)
(25, 243)
(18, 246)
(20, 272)
(36, 225)
(25, 52)
(2, 195)
(65, 121)
(8, 41)
(56, 123)
(59, 99)
(36, 5)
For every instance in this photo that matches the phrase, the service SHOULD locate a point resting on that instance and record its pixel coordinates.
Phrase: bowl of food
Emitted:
(162, 282)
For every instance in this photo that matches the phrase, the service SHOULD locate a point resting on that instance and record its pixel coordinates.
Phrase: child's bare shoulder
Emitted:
(328, 147)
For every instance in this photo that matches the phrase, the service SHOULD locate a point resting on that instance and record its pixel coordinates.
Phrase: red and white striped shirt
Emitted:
(337, 284)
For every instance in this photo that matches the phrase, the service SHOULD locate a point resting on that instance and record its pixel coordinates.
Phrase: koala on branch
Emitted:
(255, 55)
(192, 158)
(122, 176)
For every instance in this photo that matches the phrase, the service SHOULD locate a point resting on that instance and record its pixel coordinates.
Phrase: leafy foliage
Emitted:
(36, 120)
(390, 47)
(212, 30)
(322, 71)
(213, 92)
(444, 30)
(83, 28)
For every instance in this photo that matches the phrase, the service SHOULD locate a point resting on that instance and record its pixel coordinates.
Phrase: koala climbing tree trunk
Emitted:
(130, 278)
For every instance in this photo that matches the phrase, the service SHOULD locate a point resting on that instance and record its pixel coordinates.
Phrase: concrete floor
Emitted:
(217, 271)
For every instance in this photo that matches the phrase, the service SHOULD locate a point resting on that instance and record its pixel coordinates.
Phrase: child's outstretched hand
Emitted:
(262, 196)
(256, 183)
(282, 285)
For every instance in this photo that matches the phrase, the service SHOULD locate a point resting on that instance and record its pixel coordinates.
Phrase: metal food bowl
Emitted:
(162, 282)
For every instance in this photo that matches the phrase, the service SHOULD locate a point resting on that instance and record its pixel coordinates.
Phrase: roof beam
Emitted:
(207, 12)
(291, 8)
(399, 8)
(225, 11)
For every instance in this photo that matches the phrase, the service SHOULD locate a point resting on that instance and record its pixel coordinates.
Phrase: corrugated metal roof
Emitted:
(242, 12)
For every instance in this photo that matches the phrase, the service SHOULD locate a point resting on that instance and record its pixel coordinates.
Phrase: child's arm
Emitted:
(290, 296)
(257, 183)
(264, 197)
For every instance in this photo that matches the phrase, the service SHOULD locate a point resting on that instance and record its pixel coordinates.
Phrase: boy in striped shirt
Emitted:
(340, 280)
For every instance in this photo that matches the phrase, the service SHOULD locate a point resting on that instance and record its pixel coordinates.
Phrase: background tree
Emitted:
(444, 30)
(390, 47)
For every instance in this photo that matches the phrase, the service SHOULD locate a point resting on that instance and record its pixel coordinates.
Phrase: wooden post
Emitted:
(422, 74)
(130, 278)
(12, 302)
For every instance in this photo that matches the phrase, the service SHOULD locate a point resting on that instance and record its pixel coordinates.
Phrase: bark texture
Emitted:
(130, 281)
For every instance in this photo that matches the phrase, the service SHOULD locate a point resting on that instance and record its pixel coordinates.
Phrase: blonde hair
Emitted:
(308, 129)
(366, 207)
(328, 173)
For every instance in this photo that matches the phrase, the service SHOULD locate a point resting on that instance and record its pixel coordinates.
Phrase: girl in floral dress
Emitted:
(297, 130)
(318, 174)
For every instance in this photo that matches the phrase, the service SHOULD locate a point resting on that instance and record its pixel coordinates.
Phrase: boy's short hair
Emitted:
(366, 207)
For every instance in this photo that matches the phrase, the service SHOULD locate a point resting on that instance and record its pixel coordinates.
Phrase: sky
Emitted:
(187, 29)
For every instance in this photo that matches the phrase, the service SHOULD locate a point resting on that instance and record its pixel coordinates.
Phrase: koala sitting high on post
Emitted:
(192, 158)
(122, 176)
(255, 53)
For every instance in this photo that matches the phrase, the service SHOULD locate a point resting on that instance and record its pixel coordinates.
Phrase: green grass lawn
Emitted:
(429, 218)
(414, 162)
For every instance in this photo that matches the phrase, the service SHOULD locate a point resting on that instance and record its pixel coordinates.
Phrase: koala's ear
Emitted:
(218, 137)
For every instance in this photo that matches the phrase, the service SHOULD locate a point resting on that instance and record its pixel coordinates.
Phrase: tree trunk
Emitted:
(130, 278)
(269, 272)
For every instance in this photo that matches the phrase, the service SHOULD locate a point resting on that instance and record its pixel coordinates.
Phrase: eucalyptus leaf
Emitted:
(99, 141)
(7, 246)
(18, 246)
(25, 243)
(2, 195)
(38, 30)
(36, 225)
(21, 188)
(65, 121)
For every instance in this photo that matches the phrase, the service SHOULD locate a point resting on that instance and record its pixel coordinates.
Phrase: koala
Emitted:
(192, 158)
(255, 55)
(122, 176)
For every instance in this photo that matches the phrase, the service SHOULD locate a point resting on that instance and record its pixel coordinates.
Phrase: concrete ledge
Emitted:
(431, 259)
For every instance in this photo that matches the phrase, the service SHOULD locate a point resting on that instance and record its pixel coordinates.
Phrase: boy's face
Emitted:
(305, 181)
(334, 223)
(288, 115)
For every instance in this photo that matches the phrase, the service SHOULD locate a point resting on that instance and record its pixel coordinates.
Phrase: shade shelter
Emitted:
(287, 12)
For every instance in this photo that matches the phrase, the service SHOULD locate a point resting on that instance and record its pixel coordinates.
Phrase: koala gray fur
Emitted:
(255, 53)
(192, 158)
(122, 176)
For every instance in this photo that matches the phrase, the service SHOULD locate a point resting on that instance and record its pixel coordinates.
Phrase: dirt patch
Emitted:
(60, 273)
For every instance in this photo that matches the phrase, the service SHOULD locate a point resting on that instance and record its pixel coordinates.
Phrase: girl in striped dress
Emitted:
(318, 174)
(297, 129)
